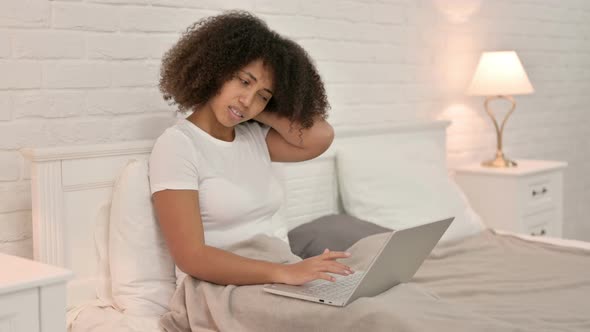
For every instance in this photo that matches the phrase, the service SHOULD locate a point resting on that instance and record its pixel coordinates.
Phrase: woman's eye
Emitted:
(263, 98)
(244, 82)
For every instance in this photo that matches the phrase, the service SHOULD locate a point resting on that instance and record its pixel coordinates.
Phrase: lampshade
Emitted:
(499, 73)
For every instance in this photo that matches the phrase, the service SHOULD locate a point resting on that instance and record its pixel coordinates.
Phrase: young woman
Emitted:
(255, 97)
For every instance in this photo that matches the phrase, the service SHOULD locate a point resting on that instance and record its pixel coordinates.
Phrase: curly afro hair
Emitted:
(213, 49)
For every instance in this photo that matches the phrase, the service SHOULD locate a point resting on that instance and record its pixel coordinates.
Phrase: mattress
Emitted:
(99, 317)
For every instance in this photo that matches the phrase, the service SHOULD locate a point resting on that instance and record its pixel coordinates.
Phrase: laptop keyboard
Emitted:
(335, 290)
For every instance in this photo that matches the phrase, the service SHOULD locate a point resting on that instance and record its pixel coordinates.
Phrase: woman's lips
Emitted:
(235, 113)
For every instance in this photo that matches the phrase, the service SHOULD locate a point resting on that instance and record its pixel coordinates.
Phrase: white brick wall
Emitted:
(86, 71)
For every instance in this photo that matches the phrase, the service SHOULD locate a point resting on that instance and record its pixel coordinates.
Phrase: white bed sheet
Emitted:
(552, 240)
(100, 317)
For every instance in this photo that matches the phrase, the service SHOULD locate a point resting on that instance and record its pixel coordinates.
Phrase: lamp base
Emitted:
(500, 161)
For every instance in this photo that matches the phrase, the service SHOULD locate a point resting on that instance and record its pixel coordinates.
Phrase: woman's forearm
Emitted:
(320, 134)
(225, 268)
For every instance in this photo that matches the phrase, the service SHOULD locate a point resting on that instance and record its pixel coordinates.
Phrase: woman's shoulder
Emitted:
(172, 145)
(255, 128)
(173, 138)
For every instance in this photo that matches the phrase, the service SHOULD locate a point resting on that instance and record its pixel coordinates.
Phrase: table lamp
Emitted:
(499, 75)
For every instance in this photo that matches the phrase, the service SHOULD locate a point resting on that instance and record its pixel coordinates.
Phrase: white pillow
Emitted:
(142, 269)
(394, 191)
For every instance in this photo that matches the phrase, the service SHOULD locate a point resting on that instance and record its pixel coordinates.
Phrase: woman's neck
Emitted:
(206, 120)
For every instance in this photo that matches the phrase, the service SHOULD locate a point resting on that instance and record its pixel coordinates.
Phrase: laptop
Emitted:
(397, 261)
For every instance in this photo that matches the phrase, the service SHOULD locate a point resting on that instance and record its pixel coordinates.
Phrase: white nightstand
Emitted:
(526, 199)
(32, 295)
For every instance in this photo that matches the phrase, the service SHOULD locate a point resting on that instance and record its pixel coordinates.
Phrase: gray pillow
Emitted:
(336, 232)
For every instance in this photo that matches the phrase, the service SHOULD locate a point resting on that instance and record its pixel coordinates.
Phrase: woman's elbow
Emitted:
(189, 261)
(326, 138)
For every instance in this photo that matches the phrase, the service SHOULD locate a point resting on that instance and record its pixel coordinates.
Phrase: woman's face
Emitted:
(244, 96)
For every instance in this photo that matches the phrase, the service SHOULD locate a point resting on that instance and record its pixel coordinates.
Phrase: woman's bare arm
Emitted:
(288, 142)
(180, 221)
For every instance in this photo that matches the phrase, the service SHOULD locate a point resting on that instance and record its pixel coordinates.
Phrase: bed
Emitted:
(72, 191)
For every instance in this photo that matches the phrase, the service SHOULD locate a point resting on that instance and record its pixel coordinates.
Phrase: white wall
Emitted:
(86, 71)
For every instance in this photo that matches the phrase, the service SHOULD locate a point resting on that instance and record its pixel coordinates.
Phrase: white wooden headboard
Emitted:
(71, 184)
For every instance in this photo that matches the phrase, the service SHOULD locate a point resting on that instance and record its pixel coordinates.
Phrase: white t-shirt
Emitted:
(238, 191)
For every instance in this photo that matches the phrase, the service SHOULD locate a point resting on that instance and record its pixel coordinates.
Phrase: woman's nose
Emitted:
(246, 99)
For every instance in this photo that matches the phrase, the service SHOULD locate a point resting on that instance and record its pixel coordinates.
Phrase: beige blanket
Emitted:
(488, 282)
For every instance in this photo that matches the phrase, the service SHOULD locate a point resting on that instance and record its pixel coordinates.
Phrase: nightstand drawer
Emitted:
(539, 224)
(19, 311)
(526, 199)
(540, 192)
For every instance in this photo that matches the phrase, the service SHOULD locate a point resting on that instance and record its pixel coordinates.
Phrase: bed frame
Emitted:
(72, 185)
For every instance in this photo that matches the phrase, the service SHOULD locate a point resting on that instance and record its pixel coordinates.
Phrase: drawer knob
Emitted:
(543, 191)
